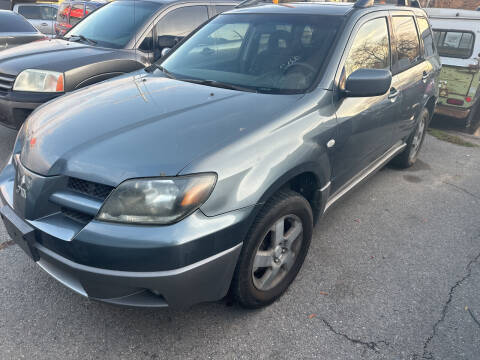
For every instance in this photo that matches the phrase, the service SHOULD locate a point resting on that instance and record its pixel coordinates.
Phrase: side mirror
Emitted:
(165, 51)
(368, 82)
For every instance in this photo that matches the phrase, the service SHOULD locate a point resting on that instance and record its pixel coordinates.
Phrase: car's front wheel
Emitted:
(274, 250)
(414, 143)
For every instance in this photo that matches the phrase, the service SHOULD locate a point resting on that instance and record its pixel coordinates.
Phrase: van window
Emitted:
(371, 47)
(38, 12)
(76, 14)
(454, 44)
(427, 37)
(408, 45)
(63, 12)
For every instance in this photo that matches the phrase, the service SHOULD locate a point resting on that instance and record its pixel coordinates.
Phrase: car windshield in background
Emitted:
(270, 53)
(115, 24)
(455, 44)
(12, 23)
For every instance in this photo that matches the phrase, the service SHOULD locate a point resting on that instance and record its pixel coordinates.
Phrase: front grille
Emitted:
(6, 82)
(77, 216)
(98, 191)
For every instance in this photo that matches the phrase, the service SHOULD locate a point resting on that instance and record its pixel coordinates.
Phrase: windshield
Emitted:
(115, 24)
(11, 23)
(455, 44)
(271, 53)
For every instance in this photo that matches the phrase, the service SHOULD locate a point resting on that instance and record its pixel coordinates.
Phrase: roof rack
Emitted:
(360, 4)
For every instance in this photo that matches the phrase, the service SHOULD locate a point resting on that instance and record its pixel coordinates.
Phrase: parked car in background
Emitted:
(71, 12)
(15, 30)
(40, 15)
(457, 38)
(207, 170)
(107, 43)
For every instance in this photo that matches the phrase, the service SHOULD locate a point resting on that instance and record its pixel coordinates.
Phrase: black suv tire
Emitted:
(245, 284)
(414, 143)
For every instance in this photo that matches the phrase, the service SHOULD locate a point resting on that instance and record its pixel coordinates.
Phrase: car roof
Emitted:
(317, 8)
(435, 13)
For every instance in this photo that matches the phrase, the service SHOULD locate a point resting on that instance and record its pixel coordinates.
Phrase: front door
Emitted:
(365, 125)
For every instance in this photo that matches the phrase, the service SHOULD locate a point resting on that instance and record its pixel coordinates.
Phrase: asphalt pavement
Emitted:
(393, 272)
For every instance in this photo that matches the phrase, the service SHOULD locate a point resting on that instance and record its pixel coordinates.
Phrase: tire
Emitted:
(268, 263)
(414, 143)
(473, 120)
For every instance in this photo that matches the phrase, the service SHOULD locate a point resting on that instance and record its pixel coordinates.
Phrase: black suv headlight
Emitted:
(158, 201)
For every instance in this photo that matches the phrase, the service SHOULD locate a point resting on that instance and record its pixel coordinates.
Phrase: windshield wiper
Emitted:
(161, 68)
(81, 37)
(219, 84)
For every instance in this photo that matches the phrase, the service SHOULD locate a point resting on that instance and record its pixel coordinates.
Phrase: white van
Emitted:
(457, 38)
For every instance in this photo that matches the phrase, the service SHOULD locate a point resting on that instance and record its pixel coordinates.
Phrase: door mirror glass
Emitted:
(368, 82)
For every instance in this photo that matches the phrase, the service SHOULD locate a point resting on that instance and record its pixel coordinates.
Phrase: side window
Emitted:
(218, 9)
(63, 11)
(408, 46)
(37, 12)
(427, 37)
(89, 8)
(371, 47)
(76, 14)
(181, 22)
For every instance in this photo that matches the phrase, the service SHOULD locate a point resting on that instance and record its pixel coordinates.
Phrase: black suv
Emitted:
(207, 170)
(107, 43)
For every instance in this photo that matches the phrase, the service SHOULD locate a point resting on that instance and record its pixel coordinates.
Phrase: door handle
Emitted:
(393, 93)
(44, 24)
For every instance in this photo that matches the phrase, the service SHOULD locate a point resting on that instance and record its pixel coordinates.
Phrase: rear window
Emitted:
(10, 23)
(454, 43)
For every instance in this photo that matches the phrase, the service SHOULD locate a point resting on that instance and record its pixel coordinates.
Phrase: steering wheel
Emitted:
(303, 65)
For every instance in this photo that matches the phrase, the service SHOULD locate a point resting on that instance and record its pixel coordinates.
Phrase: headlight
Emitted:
(157, 201)
(39, 81)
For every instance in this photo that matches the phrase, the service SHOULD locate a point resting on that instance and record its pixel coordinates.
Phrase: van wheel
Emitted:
(273, 251)
(473, 120)
(408, 157)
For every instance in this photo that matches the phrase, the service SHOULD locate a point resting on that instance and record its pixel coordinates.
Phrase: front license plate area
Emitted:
(20, 232)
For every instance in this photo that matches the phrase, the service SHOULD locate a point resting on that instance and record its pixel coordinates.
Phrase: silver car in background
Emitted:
(41, 15)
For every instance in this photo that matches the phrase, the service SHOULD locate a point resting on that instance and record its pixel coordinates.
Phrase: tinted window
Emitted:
(455, 44)
(38, 12)
(114, 25)
(181, 22)
(371, 47)
(268, 53)
(12, 22)
(408, 47)
(63, 11)
(426, 35)
(222, 8)
(77, 13)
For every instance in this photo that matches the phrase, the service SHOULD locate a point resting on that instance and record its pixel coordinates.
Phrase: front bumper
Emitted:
(15, 107)
(207, 279)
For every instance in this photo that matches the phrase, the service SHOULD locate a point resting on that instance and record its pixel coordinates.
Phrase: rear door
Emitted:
(411, 71)
(366, 124)
(40, 16)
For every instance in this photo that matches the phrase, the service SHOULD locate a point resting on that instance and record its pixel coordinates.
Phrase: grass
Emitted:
(457, 140)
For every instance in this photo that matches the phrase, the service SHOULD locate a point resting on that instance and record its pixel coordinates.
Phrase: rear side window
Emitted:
(181, 22)
(77, 13)
(63, 11)
(371, 47)
(38, 12)
(222, 8)
(11, 22)
(407, 43)
(427, 36)
(454, 44)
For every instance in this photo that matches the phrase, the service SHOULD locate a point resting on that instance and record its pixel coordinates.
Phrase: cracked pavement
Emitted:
(393, 272)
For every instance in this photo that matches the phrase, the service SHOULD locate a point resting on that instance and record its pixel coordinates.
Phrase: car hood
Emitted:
(55, 54)
(140, 125)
